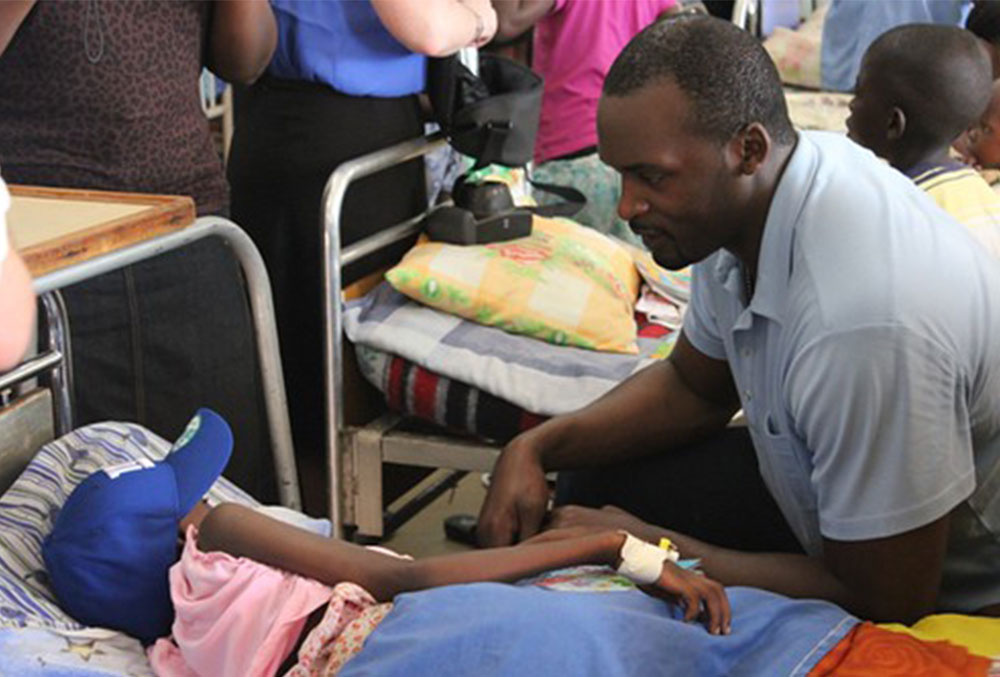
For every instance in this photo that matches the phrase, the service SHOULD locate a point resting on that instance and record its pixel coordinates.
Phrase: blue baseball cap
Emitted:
(116, 536)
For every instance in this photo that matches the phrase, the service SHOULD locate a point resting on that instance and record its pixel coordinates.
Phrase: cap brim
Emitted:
(199, 456)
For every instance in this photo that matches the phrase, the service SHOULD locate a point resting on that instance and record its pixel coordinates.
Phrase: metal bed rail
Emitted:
(262, 312)
(748, 14)
(334, 258)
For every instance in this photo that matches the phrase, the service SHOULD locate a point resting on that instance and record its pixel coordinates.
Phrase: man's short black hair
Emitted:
(939, 76)
(729, 78)
(984, 20)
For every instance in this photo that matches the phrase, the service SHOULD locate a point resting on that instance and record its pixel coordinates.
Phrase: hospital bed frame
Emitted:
(747, 13)
(357, 446)
(35, 416)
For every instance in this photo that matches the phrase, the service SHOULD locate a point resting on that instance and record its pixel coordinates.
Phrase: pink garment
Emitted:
(234, 616)
(575, 44)
(350, 617)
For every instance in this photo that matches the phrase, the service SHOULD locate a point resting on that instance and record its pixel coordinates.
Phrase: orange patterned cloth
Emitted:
(871, 650)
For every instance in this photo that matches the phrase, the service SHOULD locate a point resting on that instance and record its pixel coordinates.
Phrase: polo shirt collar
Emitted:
(925, 171)
(774, 262)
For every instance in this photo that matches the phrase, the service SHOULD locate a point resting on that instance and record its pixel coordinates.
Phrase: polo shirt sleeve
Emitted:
(883, 413)
(701, 324)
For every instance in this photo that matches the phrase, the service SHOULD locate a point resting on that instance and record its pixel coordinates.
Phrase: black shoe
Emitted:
(461, 529)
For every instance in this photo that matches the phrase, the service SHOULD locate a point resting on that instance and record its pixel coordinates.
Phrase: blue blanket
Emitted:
(494, 629)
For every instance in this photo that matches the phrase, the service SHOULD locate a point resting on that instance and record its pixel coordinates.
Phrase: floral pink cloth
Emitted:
(350, 617)
(234, 616)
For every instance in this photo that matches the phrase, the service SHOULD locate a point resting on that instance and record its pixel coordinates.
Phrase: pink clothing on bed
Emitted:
(575, 44)
(234, 616)
(351, 616)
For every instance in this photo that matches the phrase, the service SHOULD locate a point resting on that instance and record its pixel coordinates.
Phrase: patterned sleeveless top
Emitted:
(103, 94)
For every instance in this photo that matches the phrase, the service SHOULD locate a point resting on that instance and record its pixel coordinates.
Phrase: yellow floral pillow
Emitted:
(565, 284)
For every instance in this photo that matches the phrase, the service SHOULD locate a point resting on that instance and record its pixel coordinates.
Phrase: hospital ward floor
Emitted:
(423, 535)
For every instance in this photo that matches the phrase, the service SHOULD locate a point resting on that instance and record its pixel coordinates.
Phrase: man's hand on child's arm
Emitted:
(890, 579)
(609, 517)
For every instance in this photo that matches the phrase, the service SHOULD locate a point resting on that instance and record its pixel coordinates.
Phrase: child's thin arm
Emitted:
(243, 532)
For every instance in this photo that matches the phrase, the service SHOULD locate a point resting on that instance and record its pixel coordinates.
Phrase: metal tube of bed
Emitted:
(261, 307)
(333, 259)
(29, 369)
(746, 15)
(56, 317)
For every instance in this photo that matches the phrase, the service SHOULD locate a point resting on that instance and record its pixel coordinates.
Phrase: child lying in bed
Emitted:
(919, 88)
(248, 589)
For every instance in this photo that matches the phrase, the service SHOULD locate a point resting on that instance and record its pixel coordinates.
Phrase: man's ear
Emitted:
(897, 124)
(752, 145)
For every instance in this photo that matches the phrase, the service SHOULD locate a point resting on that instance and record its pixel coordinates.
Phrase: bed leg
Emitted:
(365, 483)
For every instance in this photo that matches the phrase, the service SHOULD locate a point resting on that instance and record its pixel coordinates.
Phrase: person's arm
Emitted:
(517, 16)
(17, 308)
(668, 404)
(887, 579)
(12, 13)
(17, 298)
(438, 27)
(242, 38)
(243, 532)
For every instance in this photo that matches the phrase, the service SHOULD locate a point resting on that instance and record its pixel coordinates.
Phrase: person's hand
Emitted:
(488, 15)
(565, 534)
(609, 517)
(700, 596)
(516, 499)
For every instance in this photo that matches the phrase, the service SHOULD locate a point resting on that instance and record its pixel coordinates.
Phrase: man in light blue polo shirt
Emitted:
(853, 321)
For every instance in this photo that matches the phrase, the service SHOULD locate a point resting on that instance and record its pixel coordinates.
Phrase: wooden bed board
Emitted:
(25, 425)
(53, 228)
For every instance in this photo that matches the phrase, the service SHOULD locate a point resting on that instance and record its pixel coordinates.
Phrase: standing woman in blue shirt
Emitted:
(342, 83)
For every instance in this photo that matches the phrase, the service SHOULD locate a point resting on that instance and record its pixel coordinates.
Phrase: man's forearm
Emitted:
(784, 573)
(648, 413)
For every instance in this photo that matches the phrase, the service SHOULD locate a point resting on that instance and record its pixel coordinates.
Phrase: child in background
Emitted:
(979, 146)
(249, 590)
(919, 88)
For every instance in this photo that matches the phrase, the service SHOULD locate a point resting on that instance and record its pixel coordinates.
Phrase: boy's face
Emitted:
(980, 144)
(868, 123)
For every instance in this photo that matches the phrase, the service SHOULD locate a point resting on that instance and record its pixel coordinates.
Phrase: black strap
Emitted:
(573, 200)
(496, 135)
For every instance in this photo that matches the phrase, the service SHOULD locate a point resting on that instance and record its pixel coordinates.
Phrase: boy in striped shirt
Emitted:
(920, 87)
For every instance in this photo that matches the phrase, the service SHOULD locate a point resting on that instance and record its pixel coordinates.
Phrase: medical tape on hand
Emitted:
(642, 562)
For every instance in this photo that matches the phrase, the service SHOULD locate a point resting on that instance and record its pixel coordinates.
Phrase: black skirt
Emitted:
(289, 137)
